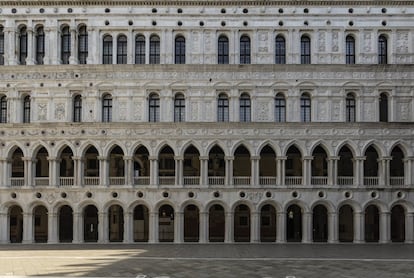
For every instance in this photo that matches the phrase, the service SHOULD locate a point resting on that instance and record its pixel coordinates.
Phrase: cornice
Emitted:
(204, 3)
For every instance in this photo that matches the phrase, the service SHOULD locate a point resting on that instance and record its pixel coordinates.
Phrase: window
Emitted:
(107, 108)
(305, 108)
(223, 50)
(107, 50)
(244, 50)
(280, 108)
(1, 45)
(139, 49)
(26, 109)
(22, 45)
(305, 50)
(3, 109)
(280, 50)
(350, 108)
(82, 45)
(77, 108)
(350, 50)
(179, 108)
(383, 108)
(382, 50)
(121, 52)
(180, 50)
(40, 45)
(154, 50)
(154, 108)
(65, 45)
(223, 108)
(245, 108)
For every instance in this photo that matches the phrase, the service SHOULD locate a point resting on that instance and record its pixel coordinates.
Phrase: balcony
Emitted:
(218, 180)
(91, 181)
(322, 180)
(289, 181)
(166, 180)
(241, 180)
(371, 181)
(267, 180)
(345, 180)
(142, 180)
(41, 181)
(66, 181)
(399, 181)
(190, 180)
(16, 182)
(116, 181)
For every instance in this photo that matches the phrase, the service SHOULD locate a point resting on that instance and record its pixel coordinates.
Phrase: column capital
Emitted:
(385, 158)
(128, 157)
(77, 157)
(179, 157)
(333, 158)
(102, 157)
(229, 157)
(360, 158)
(52, 158)
(152, 157)
(281, 157)
(308, 157)
(204, 157)
(255, 157)
(28, 158)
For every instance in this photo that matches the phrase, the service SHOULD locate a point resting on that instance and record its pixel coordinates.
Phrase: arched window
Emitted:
(77, 108)
(180, 50)
(305, 108)
(350, 108)
(245, 108)
(26, 109)
(223, 50)
(40, 45)
(382, 50)
(245, 50)
(223, 108)
(350, 50)
(383, 108)
(3, 109)
(107, 108)
(82, 45)
(305, 50)
(179, 108)
(154, 108)
(139, 49)
(1, 45)
(280, 108)
(121, 50)
(280, 50)
(107, 50)
(22, 45)
(65, 45)
(154, 50)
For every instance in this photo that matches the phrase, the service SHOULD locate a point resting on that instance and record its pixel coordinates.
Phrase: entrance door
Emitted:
(191, 224)
(346, 224)
(90, 224)
(16, 224)
(371, 224)
(320, 224)
(166, 224)
(216, 224)
(242, 224)
(268, 224)
(397, 224)
(116, 223)
(294, 224)
(65, 224)
(40, 224)
(141, 223)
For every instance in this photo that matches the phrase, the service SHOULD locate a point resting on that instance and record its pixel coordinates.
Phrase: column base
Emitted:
(52, 242)
(27, 241)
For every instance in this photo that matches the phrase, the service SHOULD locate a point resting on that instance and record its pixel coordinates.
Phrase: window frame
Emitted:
(107, 108)
(3, 109)
(223, 50)
(350, 55)
(280, 108)
(26, 109)
(140, 45)
(245, 50)
(83, 44)
(1, 45)
(305, 108)
(350, 108)
(65, 42)
(383, 108)
(155, 49)
(223, 108)
(23, 45)
(305, 50)
(179, 108)
(40, 45)
(154, 108)
(245, 108)
(280, 50)
(179, 50)
(77, 108)
(107, 50)
(382, 50)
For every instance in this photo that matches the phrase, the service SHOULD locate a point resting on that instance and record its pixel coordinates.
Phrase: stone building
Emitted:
(206, 121)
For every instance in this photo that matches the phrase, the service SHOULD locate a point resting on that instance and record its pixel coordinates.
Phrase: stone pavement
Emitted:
(212, 260)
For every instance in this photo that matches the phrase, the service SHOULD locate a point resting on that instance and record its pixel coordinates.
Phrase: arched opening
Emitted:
(66, 167)
(141, 223)
(91, 167)
(320, 224)
(65, 224)
(294, 224)
(216, 224)
(166, 166)
(216, 166)
(371, 167)
(319, 167)
(15, 224)
(116, 167)
(293, 167)
(346, 224)
(397, 167)
(371, 224)
(40, 224)
(166, 224)
(345, 167)
(116, 223)
(42, 168)
(141, 166)
(267, 166)
(268, 224)
(241, 166)
(90, 224)
(191, 166)
(398, 224)
(191, 224)
(242, 223)
(17, 168)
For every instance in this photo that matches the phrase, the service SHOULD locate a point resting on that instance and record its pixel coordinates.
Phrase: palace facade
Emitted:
(206, 121)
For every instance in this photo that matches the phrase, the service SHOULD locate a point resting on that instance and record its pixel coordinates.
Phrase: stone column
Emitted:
(409, 227)
(46, 58)
(281, 227)
(333, 170)
(3, 169)
(307, 170)
(114, 49)
(92, 45)
(27, 227)
(359, 236)
(229, 170)
(130, 47)
(77, 227)
(30, 47)
(255, 175)
(103, 170)
(73, 59)
(10, 38)
(280, 173)
(179, 180)
(332, 227)
(128, 224)
(228, 235)
(204, 217)
(129, 170)
(153, 170)
(307, 227)
(53, 171)
(385, 227)
(384, 170)
(103, 227)
(4, 228)
(178, 227)
(78, 171)
(408, 170)
(204, 171)
(255, 227)
(52, 228)
(153, 227)
(28, 171)
(359, 170)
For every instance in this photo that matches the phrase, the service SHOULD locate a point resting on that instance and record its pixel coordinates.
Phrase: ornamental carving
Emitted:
(335, 39)
(42, 111)
(137, 111)
(367, 41)
(262, 113)
(123, 110)
(60, 111)
(322, 41)
(402, 42)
